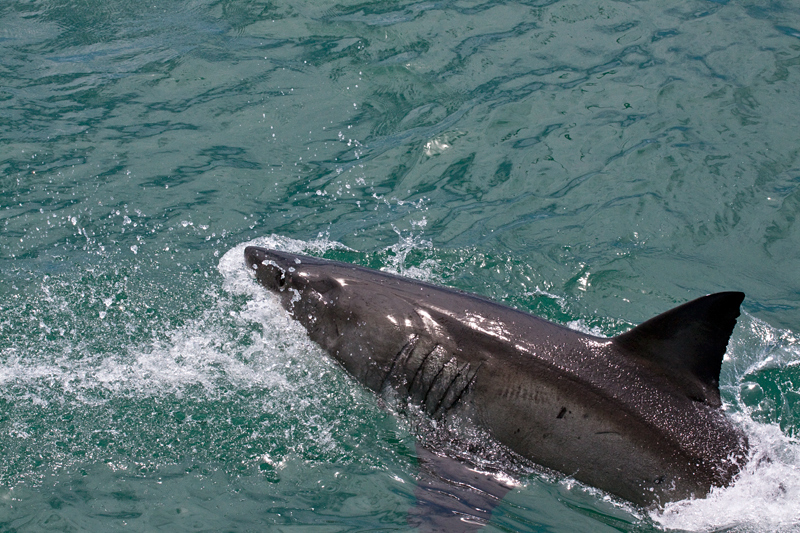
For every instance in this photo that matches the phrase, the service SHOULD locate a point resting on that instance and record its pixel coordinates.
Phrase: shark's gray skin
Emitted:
(637, 415)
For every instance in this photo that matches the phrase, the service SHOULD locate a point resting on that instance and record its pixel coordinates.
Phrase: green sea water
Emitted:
(594, 163)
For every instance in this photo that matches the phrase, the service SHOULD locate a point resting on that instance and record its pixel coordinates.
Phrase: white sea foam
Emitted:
(233, 345)
(764, 497)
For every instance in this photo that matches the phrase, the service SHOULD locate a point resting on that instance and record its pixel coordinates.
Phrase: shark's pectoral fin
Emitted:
(451, 497)
(688, 342)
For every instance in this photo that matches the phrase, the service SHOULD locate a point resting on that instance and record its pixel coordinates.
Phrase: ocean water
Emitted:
(594, 163)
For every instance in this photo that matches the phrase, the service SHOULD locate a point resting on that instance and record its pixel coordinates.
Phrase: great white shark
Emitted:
(637, 415)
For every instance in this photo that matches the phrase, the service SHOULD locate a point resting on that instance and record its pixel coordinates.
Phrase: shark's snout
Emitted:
(270, 266)
(255, 256)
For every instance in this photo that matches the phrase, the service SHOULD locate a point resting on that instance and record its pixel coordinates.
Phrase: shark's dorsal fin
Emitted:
(688, 342)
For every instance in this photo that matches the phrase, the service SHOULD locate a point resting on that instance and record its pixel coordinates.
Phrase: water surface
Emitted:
(593, 163)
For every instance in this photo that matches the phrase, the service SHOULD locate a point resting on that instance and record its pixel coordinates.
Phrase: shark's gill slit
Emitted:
(394, 376)
(452, 392)
(435, 365)
(415, 388)
(466, 377)
(439, 385)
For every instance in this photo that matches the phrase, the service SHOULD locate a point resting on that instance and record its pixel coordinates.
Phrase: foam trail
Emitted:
(764, 497)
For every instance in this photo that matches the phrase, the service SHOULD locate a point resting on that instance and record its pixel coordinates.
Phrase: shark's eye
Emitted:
(280, 279)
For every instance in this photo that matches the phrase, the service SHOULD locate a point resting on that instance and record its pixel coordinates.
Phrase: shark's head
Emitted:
(305, 286)
(361, 316)
(283, 271)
